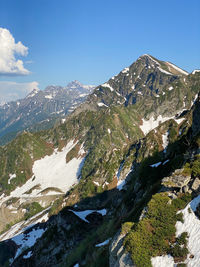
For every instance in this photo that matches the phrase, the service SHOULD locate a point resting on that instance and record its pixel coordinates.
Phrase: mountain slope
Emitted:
(39, 109)
(122, 151)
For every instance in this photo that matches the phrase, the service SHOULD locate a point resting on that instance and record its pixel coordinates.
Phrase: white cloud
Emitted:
(9, 65)
(10, 91)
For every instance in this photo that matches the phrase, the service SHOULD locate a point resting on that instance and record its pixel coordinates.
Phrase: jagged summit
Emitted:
(77, 85)
(33, 92)
(74, 84)
(164, 66)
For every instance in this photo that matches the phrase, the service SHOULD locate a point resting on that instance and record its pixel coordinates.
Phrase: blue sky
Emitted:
(91, 40)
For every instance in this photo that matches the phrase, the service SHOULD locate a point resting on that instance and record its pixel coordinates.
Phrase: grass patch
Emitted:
(32, 209)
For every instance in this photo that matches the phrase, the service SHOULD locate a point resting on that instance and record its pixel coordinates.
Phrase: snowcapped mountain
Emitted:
(40, 108)
(114, 184)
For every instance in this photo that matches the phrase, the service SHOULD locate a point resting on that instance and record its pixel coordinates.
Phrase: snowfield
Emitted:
(18, 228)
(27, 240)
(22, 236)
(52, 172)
(152, 123)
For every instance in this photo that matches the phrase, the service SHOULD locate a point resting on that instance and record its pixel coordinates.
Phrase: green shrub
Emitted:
(179, 252)
(126, 227)
(196, 167)
(154, 234)
(32, 209)
(179, 217)
(187, 170)
(181, 202)
(73, 153)
(182, 239)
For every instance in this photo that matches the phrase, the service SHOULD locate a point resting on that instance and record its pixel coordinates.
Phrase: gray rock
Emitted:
(195, 184)
(185, 189)
(176, 180)
(118, 256)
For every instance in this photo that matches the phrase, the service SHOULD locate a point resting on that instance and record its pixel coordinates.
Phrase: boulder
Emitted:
(195, 185)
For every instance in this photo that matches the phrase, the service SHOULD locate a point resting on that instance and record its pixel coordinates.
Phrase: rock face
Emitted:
(41, 107)
(195, 122)
(118, 256)
(196, 184)
(148, 81)
(176, 181)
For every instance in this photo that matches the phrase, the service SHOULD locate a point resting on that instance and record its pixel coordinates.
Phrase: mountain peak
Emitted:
(74, 84)
(164, 66)
(33, 92)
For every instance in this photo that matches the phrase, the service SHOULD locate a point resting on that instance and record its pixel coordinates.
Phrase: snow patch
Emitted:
(165, 140)
(83, 95)
(117, 93)
(195, 98)
(109, 131)
(96, 183)
(48, 96)
(162, 261)
(165, 162)
(52, 171)
(177, 68)
(108, 86)
(194, 71)
(106, 242)
(125, 70)
(164, 71)
(27, 240)
(100, 104)
(155, 165)
(28, 255)
(170, 88)
(11, 176)
(83, 214)
(179, 120)
(152, 123)
(120, 184)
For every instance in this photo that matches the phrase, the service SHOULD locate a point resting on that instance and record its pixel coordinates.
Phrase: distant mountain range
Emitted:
(40, 108)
